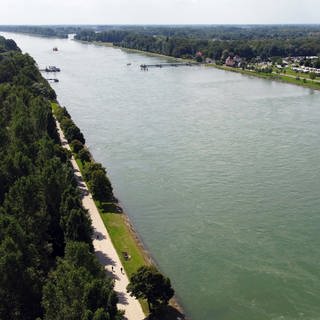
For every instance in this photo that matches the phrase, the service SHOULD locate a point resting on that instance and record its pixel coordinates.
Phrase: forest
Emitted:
(184, 41)
(42, 30)
(215, 42)
(47, 265)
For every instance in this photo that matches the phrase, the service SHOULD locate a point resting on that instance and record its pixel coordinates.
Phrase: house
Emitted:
(237, 59)
(230, 62)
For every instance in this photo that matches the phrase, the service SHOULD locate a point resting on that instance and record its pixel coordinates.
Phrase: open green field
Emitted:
(122, 237)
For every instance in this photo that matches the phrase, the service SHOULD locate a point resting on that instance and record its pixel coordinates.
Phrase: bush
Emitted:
(98, 181)
(76, 145)
(84, 155)
(71, 131)
(312, 75)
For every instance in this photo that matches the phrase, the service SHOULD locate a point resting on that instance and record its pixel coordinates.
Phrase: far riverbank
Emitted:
(279, 77)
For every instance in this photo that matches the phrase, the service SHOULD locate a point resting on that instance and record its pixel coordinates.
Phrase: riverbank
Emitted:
(129, 247)
(279, 77)
(147, 53)
(103, 246)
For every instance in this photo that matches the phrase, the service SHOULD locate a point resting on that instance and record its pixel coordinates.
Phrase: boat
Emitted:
(54, 79)
(52, 69)
(129, 64)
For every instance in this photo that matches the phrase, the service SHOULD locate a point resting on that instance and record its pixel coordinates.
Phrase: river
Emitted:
(219, 173)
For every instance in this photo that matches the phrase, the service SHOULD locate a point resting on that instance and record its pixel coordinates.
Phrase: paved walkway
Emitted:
(103, 246)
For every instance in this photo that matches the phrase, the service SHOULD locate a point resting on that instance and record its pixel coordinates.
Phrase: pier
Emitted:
(162, 65)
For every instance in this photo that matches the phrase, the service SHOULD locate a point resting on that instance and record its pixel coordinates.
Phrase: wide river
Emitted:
(219, 173)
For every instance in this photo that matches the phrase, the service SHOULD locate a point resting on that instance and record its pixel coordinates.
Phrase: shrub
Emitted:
(76, 145)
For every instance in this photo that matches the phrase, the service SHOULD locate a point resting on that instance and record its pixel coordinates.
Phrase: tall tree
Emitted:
(148, 283)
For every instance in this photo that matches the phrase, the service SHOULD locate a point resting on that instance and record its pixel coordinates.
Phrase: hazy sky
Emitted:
(158, 11)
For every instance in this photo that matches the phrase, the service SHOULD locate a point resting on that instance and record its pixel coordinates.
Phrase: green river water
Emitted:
(219, 173)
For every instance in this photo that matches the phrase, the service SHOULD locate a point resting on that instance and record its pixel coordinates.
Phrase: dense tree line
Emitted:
(94, 173)
(215, 42)
(47, 266)
(47, 31)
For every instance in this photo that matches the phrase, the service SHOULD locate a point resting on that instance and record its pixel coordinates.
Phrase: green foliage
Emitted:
(84, 155)
(77, 226)
(148, 283)
(78, 289)
(216, 42)
(61, 32)
(312, 75)
(76, 145)
(71, 131)
(91, 167)
(40, 206)
(20, 280)
(98, 182)
(100, 185)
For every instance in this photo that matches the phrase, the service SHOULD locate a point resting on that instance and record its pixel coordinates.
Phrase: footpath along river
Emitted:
(219, 173)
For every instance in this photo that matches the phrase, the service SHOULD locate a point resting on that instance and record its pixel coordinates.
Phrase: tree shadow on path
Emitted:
(107, 261)
(122, 298)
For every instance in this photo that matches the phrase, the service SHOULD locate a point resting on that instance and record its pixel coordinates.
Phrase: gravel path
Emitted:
(104, 248)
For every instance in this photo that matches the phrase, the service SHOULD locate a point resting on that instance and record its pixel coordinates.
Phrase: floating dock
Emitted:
(162, 65)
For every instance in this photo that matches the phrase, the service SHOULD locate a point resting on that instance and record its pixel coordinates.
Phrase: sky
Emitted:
(159, 11)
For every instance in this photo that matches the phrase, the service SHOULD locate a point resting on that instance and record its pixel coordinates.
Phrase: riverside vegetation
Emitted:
(214, 41)
(224, 262)
(47, 263)
(258, 50)
(146, 282)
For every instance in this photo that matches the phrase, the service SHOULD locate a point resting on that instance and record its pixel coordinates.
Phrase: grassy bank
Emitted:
(124, 238)
(286, 78)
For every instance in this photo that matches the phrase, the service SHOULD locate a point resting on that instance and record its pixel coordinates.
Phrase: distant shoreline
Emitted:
(273, 77)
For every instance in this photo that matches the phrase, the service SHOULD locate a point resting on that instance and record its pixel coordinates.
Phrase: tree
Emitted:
(71, 131)
(20, 281)
(90, 167)
(76, 145)
(78, 288)
(84, 155)
(148, 283)
(77, 226)
(312, 75)
(100, 185)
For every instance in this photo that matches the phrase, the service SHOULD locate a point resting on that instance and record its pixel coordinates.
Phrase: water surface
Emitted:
(219, 173)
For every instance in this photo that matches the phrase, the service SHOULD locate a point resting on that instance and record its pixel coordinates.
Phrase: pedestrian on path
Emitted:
(112, 269)
(121, 270)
